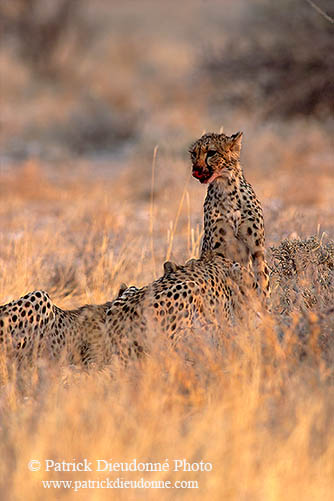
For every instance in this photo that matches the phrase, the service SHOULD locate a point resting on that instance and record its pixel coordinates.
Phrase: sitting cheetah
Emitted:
(233, 218)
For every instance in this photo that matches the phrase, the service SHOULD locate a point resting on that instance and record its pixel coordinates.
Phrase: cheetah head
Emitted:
(215, 155)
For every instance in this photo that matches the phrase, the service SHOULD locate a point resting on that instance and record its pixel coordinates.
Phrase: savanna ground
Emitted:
(98, 110)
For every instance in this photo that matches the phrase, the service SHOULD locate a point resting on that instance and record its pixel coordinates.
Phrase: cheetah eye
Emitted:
(210, 153)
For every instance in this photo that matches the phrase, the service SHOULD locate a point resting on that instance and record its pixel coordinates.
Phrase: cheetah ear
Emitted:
(235, 142)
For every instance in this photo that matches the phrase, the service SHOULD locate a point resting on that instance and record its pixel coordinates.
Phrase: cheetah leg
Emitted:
(261, 271)
(254, 241)
(235, 221)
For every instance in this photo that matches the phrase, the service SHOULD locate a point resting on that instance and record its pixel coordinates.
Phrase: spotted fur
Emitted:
(210, 290)
(233, 217)
(204, 291)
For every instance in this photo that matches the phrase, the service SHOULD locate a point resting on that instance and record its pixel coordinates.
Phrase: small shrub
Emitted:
(95, 126)
(279, 60)
(36, 29)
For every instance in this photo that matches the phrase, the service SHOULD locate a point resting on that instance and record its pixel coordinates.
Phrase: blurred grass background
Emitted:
(88, 90)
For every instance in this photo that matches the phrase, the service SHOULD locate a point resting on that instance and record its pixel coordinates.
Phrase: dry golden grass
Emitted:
(265, 429)
(259, 409)
(256, 401)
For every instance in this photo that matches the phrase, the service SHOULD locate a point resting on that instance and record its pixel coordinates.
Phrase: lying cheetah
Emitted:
(32, 324)
(233, 218)
(206, 291)
(202, 292)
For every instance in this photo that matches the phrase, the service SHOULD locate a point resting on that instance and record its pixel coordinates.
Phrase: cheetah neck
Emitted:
(224, 193)
(228, 183)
